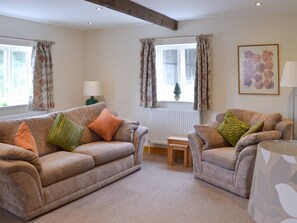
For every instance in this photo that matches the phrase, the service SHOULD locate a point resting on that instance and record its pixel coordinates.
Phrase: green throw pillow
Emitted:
(64, 133)
(232, 128)
(255, 128)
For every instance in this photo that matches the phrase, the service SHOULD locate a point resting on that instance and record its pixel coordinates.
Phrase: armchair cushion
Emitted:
(270, 120)
(255, 138)
(223, 157)
(255, 128)
(232, 128)
(210, 137)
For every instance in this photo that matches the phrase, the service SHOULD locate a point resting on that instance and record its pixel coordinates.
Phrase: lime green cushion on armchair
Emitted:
(232, 128)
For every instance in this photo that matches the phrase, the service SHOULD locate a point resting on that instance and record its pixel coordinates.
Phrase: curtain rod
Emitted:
(178, 37)
(17, 38)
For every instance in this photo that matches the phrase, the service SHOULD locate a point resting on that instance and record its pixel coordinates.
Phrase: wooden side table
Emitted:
(179, 143)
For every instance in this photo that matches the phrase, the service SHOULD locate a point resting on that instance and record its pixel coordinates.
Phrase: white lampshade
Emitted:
(289, 77)
(92, 88)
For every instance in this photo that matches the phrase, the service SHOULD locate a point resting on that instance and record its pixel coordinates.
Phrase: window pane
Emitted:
(170, 68)
(190, 56)
(19, 77)
(2, 70)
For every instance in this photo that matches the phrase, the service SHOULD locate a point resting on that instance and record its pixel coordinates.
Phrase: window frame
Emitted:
(20, 108)
(181, 67)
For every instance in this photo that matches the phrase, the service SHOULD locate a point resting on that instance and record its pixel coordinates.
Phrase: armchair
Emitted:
(217, 162)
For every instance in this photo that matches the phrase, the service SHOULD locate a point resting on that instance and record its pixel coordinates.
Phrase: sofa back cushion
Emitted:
(39, 126)
(84, 116)
(252, 117)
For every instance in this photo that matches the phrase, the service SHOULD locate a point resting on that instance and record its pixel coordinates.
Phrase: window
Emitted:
(175, 64)
(15, 75)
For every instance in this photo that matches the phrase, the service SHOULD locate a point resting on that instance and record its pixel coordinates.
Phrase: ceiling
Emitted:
(78, 13)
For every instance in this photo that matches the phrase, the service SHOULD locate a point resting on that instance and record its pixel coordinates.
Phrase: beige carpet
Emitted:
(156, 194)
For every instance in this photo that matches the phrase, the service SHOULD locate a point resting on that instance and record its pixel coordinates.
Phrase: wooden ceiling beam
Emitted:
(138, 11)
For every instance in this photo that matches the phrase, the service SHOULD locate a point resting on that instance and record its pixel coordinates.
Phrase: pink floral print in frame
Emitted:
(258, 69)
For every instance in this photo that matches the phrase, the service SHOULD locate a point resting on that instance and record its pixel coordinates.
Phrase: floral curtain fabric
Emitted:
(42, 67)
(148, 91)
(202, 91)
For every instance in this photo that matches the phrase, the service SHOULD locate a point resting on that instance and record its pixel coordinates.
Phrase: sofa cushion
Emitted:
(60, 165)
(65, 133)
(104, 152)
(232, 128)
(223, 157)
(78, 115)
(126, 131)
(39, 126)
(24, 138)
(106, 124)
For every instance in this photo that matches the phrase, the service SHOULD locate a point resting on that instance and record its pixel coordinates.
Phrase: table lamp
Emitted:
(289, 79)
(92, 88)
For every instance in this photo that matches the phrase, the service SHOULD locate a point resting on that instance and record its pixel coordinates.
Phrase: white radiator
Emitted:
(164, 123)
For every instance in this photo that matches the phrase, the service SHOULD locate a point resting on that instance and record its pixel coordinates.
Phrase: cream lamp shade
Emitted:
(289, 77)
(273, 197)
(92, 88)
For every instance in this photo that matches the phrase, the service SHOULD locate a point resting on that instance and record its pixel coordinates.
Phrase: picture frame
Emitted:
(258, 69)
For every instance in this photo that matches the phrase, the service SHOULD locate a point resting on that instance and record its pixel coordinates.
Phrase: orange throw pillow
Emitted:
(25, 139)
(106, 124)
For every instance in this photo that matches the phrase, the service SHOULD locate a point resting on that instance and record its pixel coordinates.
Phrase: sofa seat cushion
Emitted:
(223, 157)
(104, 152)
(60, 165)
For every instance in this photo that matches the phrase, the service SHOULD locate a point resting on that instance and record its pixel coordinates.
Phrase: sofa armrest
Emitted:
(21, 188)
(244, 168)
(138, 140)
(196, 145)
(11, 152)
(286, 128)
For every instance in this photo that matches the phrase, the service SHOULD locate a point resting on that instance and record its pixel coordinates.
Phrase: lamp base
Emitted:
(91, 101)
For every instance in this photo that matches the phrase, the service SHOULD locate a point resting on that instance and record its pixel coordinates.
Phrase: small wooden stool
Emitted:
(181, 144)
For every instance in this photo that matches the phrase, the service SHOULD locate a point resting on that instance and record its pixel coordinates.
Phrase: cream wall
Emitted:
(68, 56)
(112, 56)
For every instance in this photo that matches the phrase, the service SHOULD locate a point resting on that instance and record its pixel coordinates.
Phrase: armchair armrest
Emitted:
(286, 128)
(138, 141)
(255, 138)
(11, 152)
(196, 145)
(244, 168)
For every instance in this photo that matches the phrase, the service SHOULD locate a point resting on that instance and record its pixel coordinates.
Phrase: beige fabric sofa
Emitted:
(217, 162)
(28, 189)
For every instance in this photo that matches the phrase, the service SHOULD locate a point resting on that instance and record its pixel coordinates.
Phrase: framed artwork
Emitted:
(258, 69)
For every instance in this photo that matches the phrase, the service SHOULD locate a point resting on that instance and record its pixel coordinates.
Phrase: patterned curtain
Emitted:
(42, 67)
(148, 92)
(202, 91)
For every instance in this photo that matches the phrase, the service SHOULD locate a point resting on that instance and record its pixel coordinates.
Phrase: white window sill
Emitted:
(178, 105)
(17, 111)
